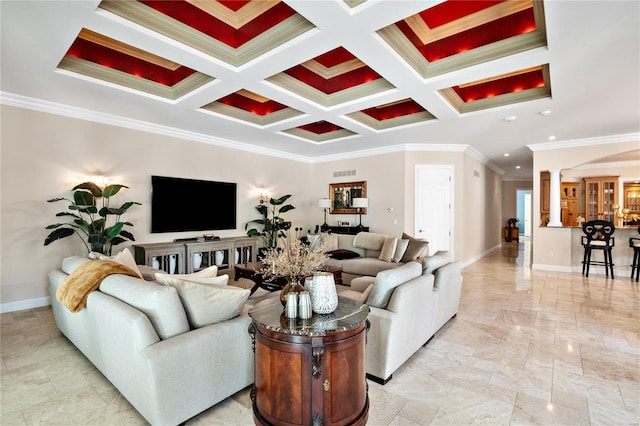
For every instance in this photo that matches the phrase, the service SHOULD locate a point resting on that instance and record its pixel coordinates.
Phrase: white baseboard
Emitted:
(551, 268)
(480, 256)
(23, 305)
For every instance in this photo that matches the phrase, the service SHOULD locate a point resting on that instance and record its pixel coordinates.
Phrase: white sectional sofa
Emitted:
(138, 335)
(375, 252)
(409, 304)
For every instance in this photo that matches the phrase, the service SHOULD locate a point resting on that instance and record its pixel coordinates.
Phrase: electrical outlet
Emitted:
(550, 253)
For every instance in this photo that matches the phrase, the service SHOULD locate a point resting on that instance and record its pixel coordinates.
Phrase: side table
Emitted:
(310, 372)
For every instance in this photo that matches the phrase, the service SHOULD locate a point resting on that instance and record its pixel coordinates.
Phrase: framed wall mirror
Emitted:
(342, 195)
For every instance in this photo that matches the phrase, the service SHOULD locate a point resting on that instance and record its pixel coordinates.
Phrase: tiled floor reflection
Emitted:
(528, 347)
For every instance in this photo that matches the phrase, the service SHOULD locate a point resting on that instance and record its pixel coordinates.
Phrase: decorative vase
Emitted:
(237, 250)
(293, 285)
(219, 257)
(197, 260)
(324, 297)
(172, 264)
(155, 262)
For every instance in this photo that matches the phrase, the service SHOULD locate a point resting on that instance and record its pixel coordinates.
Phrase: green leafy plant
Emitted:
(99, 228)
(273, 226)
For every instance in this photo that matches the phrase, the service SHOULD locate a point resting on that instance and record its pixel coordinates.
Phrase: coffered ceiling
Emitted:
(326, 79)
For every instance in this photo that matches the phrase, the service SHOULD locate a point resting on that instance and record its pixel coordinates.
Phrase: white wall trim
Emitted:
(613, 165)
(480, 256)
(547, 146)
(22, 305)
(552, 268)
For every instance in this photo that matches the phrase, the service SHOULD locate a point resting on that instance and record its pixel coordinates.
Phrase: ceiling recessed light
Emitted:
(510, 118)
(517, 167)
(545, 113)
(506, 154)
(552, 138)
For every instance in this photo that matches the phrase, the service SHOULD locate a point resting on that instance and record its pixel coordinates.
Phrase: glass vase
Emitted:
(324, 297)
(293, 284)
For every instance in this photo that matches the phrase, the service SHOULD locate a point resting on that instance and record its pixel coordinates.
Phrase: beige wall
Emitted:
(552, 248)
(45, 155)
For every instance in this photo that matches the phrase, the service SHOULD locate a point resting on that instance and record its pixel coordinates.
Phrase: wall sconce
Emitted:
(264, 196)
(324, 203)
(101, 181)
(360, 203)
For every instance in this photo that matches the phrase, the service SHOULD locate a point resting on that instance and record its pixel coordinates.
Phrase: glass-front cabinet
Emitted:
(632, 198)
(601, 194)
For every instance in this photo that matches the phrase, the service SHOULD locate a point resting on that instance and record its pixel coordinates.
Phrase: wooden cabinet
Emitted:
(569, 203)
(545, 188)
(181, 257)
(601, 193)
(168, 257)
(305, 375)
(631, 199)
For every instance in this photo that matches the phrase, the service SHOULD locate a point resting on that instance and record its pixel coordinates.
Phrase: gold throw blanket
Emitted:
(74, 290)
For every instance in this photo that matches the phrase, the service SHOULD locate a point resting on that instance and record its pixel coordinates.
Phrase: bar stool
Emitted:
(634, 243)
(598, 236)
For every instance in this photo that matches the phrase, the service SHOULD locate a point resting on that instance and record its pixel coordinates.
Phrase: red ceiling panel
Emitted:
(216, 28)
(320, 127)
(251, 105)
(110, 58)
(500, 29)
(511, 84)
(332, 85)
(386, 112)
(450, 11)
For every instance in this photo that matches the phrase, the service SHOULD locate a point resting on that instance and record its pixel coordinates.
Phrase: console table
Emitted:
(310, 372)
(351, 230)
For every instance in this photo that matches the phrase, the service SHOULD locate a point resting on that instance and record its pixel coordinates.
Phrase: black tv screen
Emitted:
(179, 205)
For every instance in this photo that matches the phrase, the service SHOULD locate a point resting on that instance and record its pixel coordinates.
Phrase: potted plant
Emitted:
(273, 226)
(99, 228)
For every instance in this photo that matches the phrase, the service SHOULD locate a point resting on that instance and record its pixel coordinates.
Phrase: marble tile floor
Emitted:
(527, 348)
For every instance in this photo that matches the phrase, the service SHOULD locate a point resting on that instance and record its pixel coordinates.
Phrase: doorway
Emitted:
(524, 211)
(434, 209)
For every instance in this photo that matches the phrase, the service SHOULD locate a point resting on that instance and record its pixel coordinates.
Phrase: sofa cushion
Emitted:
(366, 266)
(210, 303)
(369, 240)
(431, 263)
(71, 263)
(356, 295)
(388, 249)
(387, 281)
(169, 279)
(342, 254)
(416, 248)
(401, 247)
(124, 258)
(209, 272)
(330, 241)
(159, 303)
(360, 284)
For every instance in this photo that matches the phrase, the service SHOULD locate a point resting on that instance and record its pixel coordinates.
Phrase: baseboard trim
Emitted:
(480, 256)
(551, 268)
(23, 305)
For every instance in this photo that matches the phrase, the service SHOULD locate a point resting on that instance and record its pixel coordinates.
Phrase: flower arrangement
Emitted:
(294, 260)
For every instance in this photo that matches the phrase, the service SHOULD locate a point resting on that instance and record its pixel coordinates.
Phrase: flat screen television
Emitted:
(179, 205)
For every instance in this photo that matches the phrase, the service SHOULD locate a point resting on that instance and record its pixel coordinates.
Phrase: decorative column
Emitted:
(554, 199)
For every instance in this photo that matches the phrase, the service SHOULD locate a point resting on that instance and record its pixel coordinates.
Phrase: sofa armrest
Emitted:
(398, 331)
(203, 366)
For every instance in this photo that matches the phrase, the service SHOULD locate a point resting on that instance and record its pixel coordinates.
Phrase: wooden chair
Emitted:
(634, 243)
(598, 236)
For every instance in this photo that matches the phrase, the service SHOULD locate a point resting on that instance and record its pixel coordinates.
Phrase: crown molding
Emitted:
(40, 105)
(612, 165)
(577, 143)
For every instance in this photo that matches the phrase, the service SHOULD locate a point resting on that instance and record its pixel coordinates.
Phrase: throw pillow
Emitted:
(168, 279)
(342, 254)
(209, 272)
(401, 247)
(388, 249)
(330, 241)
(416, 248)
(387, 281)
(124, 258)
(207, 304)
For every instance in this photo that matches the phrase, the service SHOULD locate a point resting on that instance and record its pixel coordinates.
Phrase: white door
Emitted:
(434, 189)
(527, 214)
